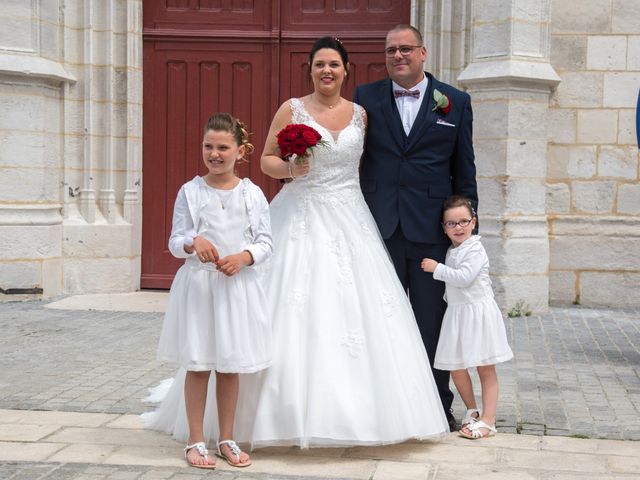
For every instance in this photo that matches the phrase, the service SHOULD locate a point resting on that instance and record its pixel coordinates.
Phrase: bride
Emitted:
(349, 366)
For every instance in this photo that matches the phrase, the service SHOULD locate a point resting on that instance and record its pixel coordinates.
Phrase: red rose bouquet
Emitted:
(298, 139)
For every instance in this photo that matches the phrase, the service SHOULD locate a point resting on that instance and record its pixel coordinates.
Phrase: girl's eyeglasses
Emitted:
(450, 225)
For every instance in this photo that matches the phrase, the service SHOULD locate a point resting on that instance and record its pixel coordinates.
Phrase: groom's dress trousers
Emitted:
(405, 179)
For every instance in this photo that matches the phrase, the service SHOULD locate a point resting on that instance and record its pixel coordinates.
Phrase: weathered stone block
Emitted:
(579, 90)
(528, 120)
(619, 289)
(101, 275)
(492, 192)
(568, 52)
(491, 39)
(629, 199)
(491, 157)
(20, 275)
(98, 81)
(606, 52)
(562, 125)
(594, 251)
(593, 16)
(620, 162)
(528, 39)
(593, 197)
(37, 185)
(625, 16)
(526, 157)
(49, 41)
(30, 242)
(562, 287)
(532, 290)
(525, 196)
(633, 58)
(621, 89)
(30, 149)
(571, 162)
(627, 126)
(29, 112)
(94, 241)
(74, 46)
(52, 277)
(597, 126)
(16, 33)
(520, 256)
(558, 198)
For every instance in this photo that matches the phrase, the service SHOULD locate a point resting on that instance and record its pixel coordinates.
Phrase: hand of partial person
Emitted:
(205, 250)
(232, 264)
(299, 168)
(428, 265)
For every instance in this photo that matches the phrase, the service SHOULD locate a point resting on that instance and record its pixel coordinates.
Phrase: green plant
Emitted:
(521, 309)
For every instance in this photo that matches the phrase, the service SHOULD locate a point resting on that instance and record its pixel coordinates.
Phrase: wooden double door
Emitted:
(240, 56)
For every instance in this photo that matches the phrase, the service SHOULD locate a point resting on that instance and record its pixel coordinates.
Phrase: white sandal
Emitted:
(235, 450)
(472, 416)
(203, 452)
(475, 427)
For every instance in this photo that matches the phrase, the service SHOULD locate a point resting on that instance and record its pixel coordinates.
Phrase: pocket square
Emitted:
(442, 122)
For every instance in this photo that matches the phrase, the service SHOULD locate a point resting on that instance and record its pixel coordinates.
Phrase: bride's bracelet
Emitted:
(290, 171)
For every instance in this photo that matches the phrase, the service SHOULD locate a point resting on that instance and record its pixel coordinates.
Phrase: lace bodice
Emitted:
(334, 166)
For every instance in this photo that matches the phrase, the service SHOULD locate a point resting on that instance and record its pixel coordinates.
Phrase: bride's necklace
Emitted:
(331, 106)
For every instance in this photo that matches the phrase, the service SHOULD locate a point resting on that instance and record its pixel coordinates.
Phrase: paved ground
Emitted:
(575, 374)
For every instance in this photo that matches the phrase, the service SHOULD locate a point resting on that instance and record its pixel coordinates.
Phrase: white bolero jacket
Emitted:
(194, 194)
(466, 273)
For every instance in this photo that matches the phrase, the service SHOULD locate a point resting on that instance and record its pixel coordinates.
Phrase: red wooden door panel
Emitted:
(241, 56)
(186, 86)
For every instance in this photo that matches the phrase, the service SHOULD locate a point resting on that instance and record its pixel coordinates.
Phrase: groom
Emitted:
(418, 152)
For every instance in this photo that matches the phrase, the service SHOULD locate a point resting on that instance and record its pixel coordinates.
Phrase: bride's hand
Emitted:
(299, 169)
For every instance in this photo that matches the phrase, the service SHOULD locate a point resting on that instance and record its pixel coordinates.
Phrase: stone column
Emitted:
(32, 84)
(510, 79)
(103, 146)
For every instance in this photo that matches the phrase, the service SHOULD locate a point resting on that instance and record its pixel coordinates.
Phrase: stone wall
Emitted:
(70, 145)
(593, 195)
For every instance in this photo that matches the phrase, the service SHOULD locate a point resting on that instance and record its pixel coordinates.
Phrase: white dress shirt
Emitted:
(408, 107)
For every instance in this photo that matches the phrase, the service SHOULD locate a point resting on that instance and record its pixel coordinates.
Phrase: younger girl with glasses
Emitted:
(473, 333)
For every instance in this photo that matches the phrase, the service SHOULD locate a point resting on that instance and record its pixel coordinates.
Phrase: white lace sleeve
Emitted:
(358, 117)
(298, 113)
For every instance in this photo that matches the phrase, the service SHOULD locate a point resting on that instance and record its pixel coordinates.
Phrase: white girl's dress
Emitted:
(473, 332)
(349, 366)
(212, 321)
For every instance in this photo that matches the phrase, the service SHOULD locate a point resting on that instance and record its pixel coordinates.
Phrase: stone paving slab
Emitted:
(575, 372)
(108, 452)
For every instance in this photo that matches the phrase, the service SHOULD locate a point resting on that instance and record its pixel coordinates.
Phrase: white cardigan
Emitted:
(194, 194)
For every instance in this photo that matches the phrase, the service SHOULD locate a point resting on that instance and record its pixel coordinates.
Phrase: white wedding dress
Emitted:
(349, 366)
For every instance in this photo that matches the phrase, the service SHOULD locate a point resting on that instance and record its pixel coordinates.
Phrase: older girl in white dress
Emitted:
(216, 317)
(473, 333)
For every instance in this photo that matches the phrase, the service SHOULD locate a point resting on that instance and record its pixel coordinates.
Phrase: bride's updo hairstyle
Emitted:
(225, 122)
(333, 44)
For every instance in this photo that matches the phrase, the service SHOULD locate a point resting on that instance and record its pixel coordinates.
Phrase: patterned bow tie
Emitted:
(407, 93)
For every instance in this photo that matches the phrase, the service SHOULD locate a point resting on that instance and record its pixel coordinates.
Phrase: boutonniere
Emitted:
(442, 102)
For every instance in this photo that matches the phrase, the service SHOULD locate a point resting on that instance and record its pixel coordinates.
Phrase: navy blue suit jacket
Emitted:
(405, 179)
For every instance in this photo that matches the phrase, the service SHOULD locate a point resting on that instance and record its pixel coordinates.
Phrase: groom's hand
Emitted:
(428, 265)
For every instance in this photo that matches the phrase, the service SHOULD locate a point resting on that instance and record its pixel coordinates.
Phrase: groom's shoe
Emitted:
(453, 427)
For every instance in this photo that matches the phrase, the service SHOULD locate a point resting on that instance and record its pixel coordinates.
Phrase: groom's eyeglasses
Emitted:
(450, 225)
(404, 50)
